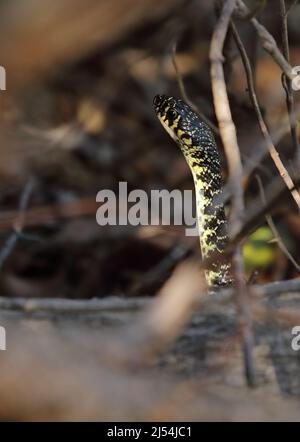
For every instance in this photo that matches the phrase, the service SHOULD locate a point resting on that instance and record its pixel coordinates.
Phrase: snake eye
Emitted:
(172, 102)
(171, 114)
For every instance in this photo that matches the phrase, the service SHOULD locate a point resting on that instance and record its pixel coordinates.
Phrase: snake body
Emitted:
(198, 145)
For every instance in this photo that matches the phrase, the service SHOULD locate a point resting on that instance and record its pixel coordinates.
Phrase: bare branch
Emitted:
(223, 113)
(272, 226)
(287, 84)
(291, 6)
(116, 303)
(229, 139)
(267, 40)
(185, 96)
(257, 8)
(263, 127)
(18, 224)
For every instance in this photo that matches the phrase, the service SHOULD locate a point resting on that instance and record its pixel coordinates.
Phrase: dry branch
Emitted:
(287, 84)
(119, 304)
(275, 232)
(223, 114)
(77, 355)
(11, 241)
(185, 96)
(229, 139)
(263, 127)
(267, 40)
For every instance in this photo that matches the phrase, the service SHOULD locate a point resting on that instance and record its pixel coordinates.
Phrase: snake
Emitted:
(200, 150)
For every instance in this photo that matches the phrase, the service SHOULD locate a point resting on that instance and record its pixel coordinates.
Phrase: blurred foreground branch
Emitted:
(11, 242)
(82, 355)
(52, 32)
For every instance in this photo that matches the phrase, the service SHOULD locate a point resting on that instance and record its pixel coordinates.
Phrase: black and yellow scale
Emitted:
(201, 153)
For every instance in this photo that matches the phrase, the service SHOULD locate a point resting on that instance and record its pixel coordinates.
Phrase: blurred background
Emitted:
(77, 117)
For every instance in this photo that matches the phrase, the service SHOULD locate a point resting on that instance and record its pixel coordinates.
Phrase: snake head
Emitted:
(165, 108)
(183, 124)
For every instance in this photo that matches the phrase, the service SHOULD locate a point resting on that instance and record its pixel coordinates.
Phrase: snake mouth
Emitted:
(163, 107)
(169, 130)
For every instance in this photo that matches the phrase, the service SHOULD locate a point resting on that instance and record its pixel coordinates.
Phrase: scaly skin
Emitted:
(198, 145)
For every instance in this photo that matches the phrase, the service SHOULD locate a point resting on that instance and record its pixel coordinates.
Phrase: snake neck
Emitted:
(205, 165)
(198, 145)
(212, 225)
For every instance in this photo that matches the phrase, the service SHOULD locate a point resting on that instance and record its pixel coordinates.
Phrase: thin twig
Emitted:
(274, 192)
(273, 227)
(229, 139)
(18, 224)
(261, 150)
(246, 320)
(287, 84)
(257, 9)
(267, 40)
(223, 113)
(259, 153)
(263, 127)
(44, 214)
(291, 6)
(186, 98)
